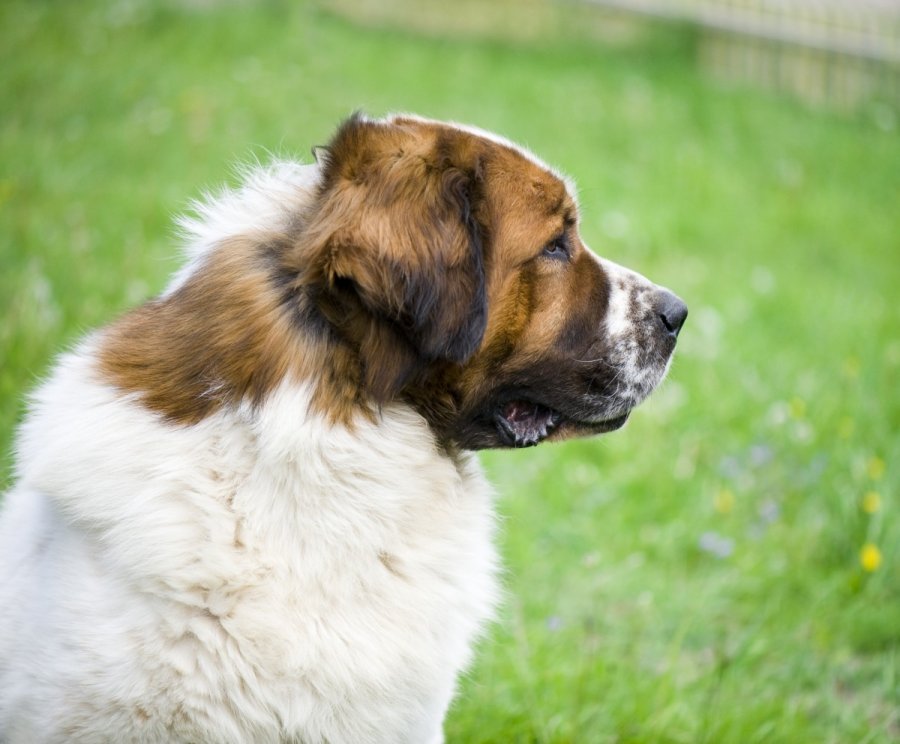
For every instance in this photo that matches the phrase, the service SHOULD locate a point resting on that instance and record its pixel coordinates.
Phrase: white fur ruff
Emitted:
(260, 576)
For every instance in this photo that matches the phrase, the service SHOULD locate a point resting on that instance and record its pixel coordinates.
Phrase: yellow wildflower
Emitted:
(875, 467)
(870, 557)
(871, 502)
(723, 501)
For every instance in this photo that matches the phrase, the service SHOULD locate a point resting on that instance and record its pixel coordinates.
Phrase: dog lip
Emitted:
(523, 422)
(611, 424)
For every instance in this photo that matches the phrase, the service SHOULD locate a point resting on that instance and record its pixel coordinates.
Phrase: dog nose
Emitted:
(671, 311)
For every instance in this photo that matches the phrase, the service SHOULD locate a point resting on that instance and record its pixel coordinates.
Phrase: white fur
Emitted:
(626, 287)
(258, 577)
(227, 581)
(630, 306)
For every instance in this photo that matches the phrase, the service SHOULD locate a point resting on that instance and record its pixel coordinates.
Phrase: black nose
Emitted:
(671, 311)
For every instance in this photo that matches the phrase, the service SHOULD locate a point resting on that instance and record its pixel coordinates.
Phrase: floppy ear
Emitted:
(396, 226)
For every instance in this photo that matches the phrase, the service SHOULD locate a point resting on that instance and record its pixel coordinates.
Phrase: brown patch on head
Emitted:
(386, 231)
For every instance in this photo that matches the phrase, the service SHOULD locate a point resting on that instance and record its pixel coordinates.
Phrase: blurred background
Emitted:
(725, 569)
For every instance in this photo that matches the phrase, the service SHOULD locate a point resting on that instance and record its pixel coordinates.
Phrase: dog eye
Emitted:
(557, 248)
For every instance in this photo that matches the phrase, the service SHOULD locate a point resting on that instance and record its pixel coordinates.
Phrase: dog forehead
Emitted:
(506, 156)
(477, 132)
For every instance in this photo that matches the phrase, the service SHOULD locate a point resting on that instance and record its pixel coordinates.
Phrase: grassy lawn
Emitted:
(696, 577)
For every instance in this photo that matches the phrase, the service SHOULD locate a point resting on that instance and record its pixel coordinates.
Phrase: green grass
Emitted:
(779, 226)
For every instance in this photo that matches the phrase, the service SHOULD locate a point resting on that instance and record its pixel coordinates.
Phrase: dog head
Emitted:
(449, 261)
(420, 262)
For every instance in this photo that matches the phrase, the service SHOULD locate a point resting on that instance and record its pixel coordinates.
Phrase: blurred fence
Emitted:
(835, 52)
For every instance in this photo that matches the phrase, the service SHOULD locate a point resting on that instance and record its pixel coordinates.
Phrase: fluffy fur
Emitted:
(249, 510)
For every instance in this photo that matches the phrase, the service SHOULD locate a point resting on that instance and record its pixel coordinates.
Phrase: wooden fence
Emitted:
(835, 52)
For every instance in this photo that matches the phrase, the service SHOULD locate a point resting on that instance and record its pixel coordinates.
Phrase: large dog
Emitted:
(248, 511)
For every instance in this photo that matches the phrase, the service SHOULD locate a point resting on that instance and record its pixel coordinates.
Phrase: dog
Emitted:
(250, 510)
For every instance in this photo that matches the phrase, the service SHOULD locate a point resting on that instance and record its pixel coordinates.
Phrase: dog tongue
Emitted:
(527, 423)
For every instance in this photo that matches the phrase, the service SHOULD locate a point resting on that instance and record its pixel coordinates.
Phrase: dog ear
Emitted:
(396, 226)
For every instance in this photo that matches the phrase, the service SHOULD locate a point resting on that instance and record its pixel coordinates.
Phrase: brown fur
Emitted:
(416, 274)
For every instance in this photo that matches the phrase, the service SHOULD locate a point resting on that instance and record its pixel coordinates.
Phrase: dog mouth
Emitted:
(525, 423)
